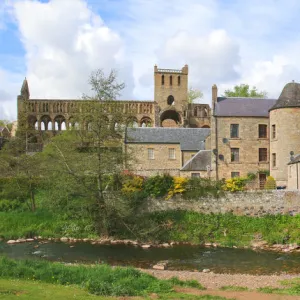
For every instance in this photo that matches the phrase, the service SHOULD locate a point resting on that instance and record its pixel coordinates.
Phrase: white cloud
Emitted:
(64, 42)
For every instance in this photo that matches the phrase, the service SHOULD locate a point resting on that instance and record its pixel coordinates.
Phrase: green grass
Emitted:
(35, 290)
(182, 226)
(99, 279)
(226, 229)
(290, 287)
(15, 225)
(234, 288)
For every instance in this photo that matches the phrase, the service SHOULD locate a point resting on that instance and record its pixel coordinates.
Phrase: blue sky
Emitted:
(57, 43)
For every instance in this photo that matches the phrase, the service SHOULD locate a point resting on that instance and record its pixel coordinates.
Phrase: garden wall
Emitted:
(250, 203)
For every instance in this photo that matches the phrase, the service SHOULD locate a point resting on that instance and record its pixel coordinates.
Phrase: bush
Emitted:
(202, 187)
(270, 183)
(158, 186)
(133, 184)
(11, 205)
(178, 186)
(235, 184)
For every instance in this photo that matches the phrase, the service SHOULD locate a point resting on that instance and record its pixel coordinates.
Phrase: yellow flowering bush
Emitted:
(179, 184)
(235, 184)
(270, 183)
(133, 184)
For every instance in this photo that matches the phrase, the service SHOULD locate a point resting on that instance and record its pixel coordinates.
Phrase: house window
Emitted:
(273, 131)
(235, 174)
(262, 131)
(150, 153)
(235, 153)
(163, 80)
(263, 154)
(234, 130)
(197, 175)
(178, 80)
(171, 153)
(171, 80)
(273, 160)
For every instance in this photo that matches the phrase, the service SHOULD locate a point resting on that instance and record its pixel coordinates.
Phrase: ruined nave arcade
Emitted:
(170, 107)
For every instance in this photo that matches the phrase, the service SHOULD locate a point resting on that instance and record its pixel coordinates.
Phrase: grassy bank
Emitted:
(101, 280)
(226, 229)
(14, 225)
(30, 290)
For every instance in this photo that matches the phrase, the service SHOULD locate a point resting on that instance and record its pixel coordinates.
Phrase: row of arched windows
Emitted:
(170, 80)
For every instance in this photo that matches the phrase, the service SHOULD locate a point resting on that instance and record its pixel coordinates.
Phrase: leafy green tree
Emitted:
(244, 90)
(90, 157)
(194, 94)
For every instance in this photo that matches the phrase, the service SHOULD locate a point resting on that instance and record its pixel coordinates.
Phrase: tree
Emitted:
(91, 157)
(20, 173)
(244, 90)
(194, 94)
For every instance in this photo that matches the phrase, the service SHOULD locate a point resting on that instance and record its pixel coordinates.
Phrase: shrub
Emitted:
(235, 184)
(158, 186)
(201, 187)
(133, 184)
(178, 186)
(270, 183)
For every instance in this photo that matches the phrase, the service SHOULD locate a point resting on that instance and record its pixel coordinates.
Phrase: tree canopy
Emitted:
(194, 94)
(244, 90)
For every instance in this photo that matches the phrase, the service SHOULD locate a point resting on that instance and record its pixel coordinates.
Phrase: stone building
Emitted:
(236, 137)
(176, 151)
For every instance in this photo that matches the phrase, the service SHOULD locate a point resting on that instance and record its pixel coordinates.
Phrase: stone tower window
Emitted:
(178, 80)
(171, 80)
(163, 80)
(170, 100)
(274, 131)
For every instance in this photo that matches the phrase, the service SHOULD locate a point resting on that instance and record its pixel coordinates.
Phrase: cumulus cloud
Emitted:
(64, 42)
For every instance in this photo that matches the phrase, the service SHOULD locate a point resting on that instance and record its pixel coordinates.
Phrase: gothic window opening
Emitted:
(178, 80)
(163, 80)
(170, 100)
(171, 80)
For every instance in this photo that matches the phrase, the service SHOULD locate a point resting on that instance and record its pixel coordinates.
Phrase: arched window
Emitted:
(171, 80)
(178, 80)
(170, 100)
(163, 80)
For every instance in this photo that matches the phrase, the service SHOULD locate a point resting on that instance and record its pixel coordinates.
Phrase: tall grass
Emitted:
(227, 229)
(99, 279)
(15, 225)
(185, 226)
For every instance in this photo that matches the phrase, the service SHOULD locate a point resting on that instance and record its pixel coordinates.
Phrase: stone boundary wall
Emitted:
(251, 203)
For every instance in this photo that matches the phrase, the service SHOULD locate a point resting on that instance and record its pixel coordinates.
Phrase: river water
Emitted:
(218, 260)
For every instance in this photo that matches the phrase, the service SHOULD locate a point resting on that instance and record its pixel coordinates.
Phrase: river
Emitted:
(218, 260)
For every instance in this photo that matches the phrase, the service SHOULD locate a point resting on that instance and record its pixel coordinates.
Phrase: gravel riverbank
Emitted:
(215, 281)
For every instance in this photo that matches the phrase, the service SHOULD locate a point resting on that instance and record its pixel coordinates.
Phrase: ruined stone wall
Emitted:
(242, 203)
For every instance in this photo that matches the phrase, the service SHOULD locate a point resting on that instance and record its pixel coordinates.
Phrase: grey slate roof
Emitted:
(198, 162)
(243, 107)
(290, 96)
(190, 139)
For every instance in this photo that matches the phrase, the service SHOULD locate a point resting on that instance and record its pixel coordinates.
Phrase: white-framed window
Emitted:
(150, 153)
(172, 153)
